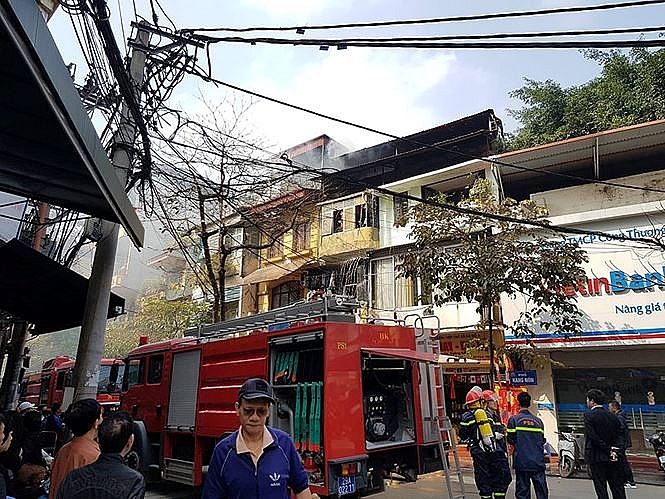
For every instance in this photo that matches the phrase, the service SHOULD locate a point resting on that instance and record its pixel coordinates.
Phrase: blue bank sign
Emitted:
(523, 378)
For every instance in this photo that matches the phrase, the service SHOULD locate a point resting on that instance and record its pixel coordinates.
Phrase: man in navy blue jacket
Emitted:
(526, 433)
(256, 461)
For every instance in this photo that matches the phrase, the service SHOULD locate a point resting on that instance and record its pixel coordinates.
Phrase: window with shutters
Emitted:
(390, 291)
(276, 249)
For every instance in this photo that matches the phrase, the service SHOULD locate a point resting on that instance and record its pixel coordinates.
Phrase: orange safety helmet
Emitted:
(474, 395)
(489, 395)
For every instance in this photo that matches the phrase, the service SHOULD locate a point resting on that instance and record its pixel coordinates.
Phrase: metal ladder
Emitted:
(444, 428)
(334, 308)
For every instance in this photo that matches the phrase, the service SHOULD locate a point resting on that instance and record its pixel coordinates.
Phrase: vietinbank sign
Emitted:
(621, 298)
(617, 281)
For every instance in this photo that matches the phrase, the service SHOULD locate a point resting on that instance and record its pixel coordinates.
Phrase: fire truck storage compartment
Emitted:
(387, 401)
(184, 387)
(182, 416)
(296, 374)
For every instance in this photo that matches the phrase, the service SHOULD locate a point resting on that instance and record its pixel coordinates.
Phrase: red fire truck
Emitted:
(48, 386)
(352, 396)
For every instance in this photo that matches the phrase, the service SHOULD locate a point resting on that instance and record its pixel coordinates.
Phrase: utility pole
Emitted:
(91, 342)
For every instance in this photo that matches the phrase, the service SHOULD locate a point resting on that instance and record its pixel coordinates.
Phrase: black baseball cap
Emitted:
(256, 388)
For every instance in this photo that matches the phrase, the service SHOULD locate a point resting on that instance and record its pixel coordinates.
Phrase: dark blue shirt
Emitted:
(527, 433)
(234, 476)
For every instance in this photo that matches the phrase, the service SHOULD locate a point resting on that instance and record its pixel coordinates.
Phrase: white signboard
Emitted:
(622, 299)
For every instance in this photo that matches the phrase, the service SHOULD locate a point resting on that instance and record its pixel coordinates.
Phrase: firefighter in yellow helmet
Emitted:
(477, 429)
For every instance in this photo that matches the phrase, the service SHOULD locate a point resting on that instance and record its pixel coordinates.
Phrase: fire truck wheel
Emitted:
(410, 474)
(137, 457)
(133, 460)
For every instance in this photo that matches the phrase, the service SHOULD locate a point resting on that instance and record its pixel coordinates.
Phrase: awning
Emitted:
(49, 149)
(273, 272)
(403, 353)
(477, 367)
(41, 291)
(454, 361)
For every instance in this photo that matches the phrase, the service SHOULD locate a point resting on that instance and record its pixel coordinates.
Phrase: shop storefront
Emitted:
(634, 377)
(622, 348)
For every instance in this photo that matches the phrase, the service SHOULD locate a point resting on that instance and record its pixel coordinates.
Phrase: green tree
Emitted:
(629, 90)
(158, 319)
(469, 256)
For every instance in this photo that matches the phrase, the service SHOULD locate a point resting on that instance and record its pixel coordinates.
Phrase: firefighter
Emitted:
(477, 429)
(501, 477)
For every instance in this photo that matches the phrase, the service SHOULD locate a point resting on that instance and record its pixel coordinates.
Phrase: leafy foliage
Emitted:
(472, 257)
(157, 318)
(629, 90)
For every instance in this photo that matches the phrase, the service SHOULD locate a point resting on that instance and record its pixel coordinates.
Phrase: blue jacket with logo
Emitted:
(234, 476)
(527, 433)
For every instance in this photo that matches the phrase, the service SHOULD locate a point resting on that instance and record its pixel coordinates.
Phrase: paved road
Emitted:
(432, 486)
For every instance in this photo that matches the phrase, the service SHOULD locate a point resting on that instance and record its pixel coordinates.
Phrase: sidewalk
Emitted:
(645, 469)
(645, 466)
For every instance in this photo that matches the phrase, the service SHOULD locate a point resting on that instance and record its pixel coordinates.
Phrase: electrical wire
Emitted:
(325, 43)
(413, 39)
(125, 84)
(439, 20)
(611, 236)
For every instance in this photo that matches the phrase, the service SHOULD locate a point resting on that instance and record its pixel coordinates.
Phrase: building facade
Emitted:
(622, 298)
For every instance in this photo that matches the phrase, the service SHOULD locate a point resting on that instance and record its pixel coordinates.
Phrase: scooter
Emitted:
(657, 440)
(571, 454)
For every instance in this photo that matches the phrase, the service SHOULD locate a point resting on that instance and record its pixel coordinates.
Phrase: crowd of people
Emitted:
(47, 454)
(606, 440)
(89, 450)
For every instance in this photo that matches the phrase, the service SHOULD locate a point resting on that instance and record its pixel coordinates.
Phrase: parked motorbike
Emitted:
(657, 440)
(571, 454)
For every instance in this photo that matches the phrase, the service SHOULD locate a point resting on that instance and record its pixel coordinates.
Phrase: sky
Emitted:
(399, 91)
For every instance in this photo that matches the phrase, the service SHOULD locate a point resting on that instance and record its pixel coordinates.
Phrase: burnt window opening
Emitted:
(337, 221)
(400, 206)
(361, 215)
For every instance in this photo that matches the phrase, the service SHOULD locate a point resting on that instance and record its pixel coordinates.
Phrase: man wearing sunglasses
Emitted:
(255, 461)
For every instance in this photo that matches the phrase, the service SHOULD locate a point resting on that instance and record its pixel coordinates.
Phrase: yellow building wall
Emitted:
(311, 254)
